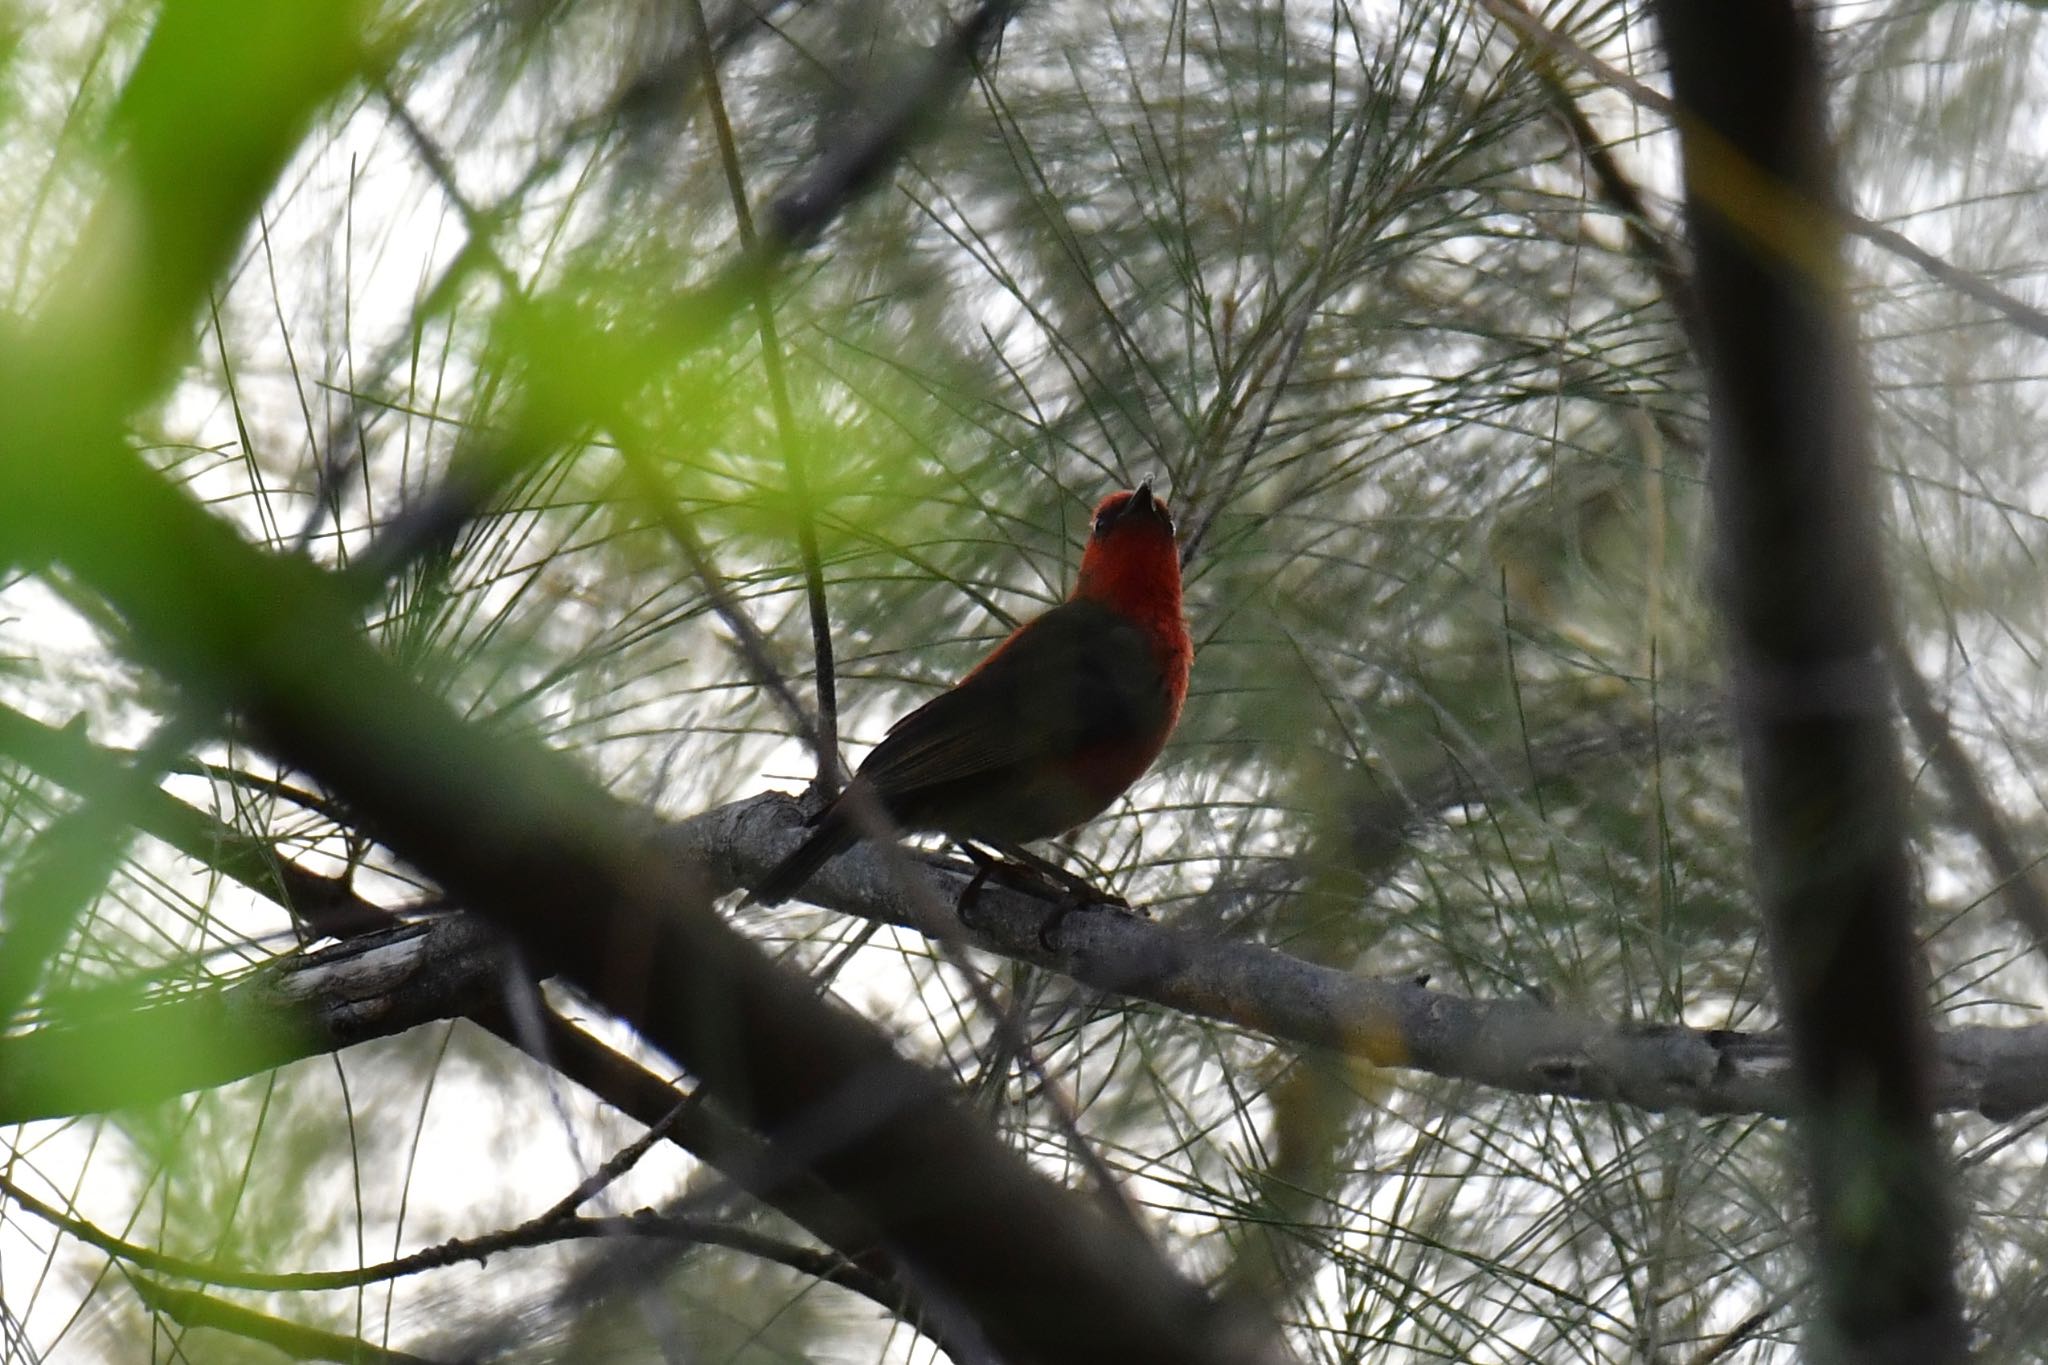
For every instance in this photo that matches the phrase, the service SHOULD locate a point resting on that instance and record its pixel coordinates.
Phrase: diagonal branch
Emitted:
(517, 832)
(2019, 881)
(322, 905)
(703, 1130)
(635, 356)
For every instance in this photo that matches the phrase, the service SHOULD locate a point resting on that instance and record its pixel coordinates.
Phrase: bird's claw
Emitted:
(1049, 926)
(1081, 897)
(1042, 879)
(970, 895)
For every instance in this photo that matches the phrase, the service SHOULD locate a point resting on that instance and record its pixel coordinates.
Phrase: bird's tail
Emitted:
(833, 834)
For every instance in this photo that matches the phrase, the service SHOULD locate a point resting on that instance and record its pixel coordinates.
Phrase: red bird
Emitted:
(1052, 726)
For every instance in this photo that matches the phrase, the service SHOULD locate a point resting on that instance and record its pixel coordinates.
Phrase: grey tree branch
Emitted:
(1520, 1045)
(122, 1048)
(307, 1004)
(444, 968)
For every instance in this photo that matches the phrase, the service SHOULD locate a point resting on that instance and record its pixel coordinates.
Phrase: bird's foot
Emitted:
(970, 894)
(1049, 927)
(1016, 873)
(1041, 878)
(1074, 893)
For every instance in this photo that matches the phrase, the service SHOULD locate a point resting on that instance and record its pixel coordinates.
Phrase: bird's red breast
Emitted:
(1132, 566)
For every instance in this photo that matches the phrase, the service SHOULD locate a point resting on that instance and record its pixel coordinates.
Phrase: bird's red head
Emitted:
(1132, 563)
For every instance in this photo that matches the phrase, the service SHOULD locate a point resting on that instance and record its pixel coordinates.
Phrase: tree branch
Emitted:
(122, 1047)
(1809, 622)
(1519, 1045)
(308, 1004)
(703, 1130)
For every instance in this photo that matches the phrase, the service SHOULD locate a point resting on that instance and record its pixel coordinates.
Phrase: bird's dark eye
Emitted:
(1103, 519)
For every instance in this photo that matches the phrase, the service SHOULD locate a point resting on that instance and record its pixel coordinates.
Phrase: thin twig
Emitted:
(738, 1155)
(1741, 1331)
(829, 775)
(798, 214)
(748, 640)
(2019, 884)
(346, 449)
(1646, 236)
(618, 1164)
(1276, 377)
(548, 1229)
(189, 1308)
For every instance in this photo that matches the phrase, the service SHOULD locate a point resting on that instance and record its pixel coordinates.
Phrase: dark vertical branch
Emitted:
(2019, 885)
(1808, 618)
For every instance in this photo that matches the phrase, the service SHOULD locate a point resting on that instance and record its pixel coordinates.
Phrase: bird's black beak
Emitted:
(1139, 503)
(1143, 501)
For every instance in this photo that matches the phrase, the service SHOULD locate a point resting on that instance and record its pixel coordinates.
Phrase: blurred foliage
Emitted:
(1337, 279)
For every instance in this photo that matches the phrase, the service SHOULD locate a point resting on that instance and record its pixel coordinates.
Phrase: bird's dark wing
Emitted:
(1078, 676)
(1017, 750)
